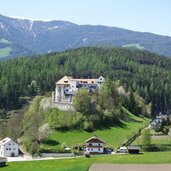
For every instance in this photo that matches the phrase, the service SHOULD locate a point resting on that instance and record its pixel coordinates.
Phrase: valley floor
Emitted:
(83, 164)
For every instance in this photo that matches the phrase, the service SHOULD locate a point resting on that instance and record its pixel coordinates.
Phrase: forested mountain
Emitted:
(146, 73)
(21, 37)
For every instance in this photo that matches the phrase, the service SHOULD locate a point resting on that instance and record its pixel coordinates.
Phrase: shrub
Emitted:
(88, 126)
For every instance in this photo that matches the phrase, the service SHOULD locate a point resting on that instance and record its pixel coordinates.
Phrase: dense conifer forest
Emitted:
(145, 73)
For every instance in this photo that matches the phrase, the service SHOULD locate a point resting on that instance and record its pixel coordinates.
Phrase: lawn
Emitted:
(82, 164)
(157, 138)
(113, 136)
(5, 51)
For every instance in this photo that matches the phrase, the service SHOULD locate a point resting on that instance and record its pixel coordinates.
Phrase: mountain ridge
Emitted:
(30, 37)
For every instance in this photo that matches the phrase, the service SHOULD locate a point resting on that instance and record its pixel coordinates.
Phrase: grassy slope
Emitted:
(82, 164)
(5, 51)
(156, 138)
(113, 136)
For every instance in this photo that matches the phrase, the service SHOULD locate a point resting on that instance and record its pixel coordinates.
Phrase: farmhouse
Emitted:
(94, 145)
(67, 86)
(8, 148)
(157, 123)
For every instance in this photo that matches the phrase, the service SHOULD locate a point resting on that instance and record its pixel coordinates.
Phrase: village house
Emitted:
(67, 86)
(8, 148)
(94, 145)
(156, 124)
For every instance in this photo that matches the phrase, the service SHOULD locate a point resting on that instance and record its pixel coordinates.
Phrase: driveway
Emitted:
(29, 158)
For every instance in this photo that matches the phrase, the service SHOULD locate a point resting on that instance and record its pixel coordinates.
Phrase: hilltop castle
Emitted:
(67, 86)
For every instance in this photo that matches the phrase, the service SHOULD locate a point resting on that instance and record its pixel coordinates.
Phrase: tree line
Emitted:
(147, 74)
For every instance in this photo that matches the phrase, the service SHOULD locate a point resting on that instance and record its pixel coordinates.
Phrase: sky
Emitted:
(138, 15)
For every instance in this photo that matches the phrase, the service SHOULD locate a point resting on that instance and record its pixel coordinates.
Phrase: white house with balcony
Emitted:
(94, 145)
(67, 86)
(8, 148)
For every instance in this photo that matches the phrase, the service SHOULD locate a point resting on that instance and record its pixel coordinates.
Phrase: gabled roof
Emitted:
(101, 78)
(94, 139)
(64, 80)
(87, 81)
(5, 140)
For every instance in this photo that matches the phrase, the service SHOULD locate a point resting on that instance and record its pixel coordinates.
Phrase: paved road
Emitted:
(130, 167)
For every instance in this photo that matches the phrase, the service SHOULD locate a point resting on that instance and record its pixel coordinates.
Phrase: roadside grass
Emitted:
(157, 138)
(5, 51)
(113, 136)
(82, 164)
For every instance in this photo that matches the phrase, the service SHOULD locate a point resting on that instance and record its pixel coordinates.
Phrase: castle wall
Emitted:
(63, 106)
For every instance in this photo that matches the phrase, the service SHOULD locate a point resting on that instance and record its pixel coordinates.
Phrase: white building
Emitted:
(94, 145)
(8, 148)
(67, 86)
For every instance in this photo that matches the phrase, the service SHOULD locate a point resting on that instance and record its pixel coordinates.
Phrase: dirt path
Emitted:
(130, 167)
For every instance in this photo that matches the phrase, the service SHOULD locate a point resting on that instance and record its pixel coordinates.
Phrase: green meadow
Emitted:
(113, 136)
(82, 164)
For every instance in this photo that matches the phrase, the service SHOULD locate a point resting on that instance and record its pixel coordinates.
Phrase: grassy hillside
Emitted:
(82, 164)
(113, 136)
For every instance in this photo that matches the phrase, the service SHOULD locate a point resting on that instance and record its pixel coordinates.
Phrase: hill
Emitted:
(26, 37)
(146, 73)
(114, 136)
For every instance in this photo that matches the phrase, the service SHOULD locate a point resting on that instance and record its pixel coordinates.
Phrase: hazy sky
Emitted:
(139, 15)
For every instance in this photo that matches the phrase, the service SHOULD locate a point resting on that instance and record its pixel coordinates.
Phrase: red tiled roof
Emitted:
(66, 79)
(94, 146)
(94, 139)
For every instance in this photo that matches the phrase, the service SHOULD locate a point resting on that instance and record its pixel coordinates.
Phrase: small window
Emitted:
(9, 148)
(99, 144)
(91, 149)
(98, 149)
(6, 148)
(88, 149)
(90, 144)
(13, 148)
(9, 144)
